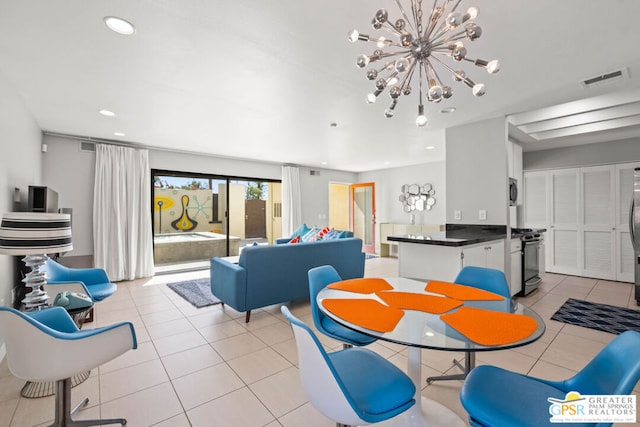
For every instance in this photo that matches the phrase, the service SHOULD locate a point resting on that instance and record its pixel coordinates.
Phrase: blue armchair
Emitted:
(90, 281)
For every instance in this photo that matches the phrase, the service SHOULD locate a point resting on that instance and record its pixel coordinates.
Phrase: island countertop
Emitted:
(455, 235)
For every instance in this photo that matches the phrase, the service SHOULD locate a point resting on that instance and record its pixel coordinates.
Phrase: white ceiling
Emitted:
(264, 79)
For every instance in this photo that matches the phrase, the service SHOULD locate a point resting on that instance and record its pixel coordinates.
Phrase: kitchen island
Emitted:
(441, 255)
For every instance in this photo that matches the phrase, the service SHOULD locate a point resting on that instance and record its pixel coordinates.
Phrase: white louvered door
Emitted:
(598, 222)
(564, 240)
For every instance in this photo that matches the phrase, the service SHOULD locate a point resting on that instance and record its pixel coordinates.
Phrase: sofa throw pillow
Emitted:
(300, 231)
(331, 235)
(320, 234)
(309, 234)
(295, 240)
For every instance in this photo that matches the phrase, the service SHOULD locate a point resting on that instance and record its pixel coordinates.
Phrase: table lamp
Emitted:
(35, 235)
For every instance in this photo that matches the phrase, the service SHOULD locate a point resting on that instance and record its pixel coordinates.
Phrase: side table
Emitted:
(33, 390)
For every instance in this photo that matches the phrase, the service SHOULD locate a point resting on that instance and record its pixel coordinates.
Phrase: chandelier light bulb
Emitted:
(472, 13)
(478, 89)
(418, 47)
(362, 61)
(493, 66)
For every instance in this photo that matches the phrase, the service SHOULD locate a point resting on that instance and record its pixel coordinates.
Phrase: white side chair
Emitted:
(352, 386)
(47, 345)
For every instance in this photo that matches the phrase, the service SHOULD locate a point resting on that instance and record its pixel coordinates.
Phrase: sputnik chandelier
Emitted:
(416, 45)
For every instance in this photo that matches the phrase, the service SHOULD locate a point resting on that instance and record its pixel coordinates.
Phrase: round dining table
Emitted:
(418, 329)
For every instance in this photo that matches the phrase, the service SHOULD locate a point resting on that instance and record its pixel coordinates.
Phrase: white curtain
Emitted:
(122, 232)
(291, 204)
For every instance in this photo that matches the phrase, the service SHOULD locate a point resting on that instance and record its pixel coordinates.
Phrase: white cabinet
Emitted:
(489, 254)
(438, 262)
(515, 278)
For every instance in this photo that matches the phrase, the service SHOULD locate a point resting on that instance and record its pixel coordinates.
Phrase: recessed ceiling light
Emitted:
(323, 163)
(430, 147)
(107, 113)
(387, 163)
(119, 134)
(119, 25)
(448, 110)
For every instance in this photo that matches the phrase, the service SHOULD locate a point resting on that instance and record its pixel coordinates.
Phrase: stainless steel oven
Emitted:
(530, 265)
(531, 240)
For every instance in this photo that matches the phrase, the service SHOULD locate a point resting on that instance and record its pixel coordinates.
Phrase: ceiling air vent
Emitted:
(607, 78)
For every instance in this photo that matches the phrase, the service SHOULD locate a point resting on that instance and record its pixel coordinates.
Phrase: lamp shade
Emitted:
(34, 233)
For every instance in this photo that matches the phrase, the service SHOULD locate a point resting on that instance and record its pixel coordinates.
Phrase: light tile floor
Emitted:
(204, 367)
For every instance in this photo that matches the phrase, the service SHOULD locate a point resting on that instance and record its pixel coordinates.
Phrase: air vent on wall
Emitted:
(607, 78)
(312, 172)
(87, 146)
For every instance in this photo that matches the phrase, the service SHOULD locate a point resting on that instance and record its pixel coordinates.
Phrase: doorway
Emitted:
(363, 214)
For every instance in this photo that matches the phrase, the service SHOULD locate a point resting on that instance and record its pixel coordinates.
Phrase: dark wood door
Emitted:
(255, 223)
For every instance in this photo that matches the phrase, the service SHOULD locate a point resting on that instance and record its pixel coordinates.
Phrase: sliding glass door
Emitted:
(197, 217)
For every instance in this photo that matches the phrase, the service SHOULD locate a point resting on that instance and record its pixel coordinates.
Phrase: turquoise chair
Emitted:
(89, 281)
(319, 278)
(499, 398)
(47, 345)
(487, 279)
(352, 386)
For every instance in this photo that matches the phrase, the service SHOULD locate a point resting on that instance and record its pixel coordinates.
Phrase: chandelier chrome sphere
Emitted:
(416, 44)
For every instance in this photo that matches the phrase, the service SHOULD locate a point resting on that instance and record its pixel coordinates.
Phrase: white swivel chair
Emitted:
(487, 279)
(352, 386)
(47, 345)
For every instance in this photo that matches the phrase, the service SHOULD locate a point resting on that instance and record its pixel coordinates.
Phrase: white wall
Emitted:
(70, 172)
(389, 182)
(477, 172)
(20, 166)
(315, 193)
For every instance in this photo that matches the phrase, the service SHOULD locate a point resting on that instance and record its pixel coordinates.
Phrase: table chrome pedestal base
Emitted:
(432, 414)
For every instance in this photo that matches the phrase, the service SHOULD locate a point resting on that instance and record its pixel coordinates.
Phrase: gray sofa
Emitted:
(267, 275)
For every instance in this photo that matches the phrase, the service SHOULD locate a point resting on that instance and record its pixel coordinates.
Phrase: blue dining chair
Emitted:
(47, 345)
(93, 282)
(319, 278)
(487, 279)
(352, 386)
(496, 397)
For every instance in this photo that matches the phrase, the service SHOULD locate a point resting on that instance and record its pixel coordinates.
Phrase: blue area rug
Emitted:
(197, 292)
(601, 317)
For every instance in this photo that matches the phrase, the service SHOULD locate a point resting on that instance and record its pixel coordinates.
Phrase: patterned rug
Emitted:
(197, 292)
(601, 317)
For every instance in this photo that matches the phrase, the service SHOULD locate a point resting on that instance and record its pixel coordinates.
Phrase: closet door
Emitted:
(598, 229)
(564, 240)
(624, 250)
